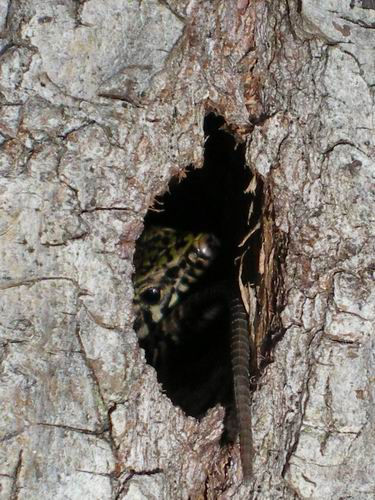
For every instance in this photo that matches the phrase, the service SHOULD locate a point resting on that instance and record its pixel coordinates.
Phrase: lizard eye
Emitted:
(207, 247)
(151, 296)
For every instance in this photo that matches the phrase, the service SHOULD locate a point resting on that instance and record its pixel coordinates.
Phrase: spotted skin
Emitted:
(167, 263)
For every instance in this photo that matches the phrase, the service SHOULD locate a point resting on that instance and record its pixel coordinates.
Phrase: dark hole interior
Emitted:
(212, 200)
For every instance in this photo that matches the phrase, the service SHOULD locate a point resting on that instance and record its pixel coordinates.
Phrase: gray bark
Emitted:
(101, 104)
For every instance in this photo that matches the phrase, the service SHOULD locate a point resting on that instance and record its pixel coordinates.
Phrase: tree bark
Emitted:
(101, 104)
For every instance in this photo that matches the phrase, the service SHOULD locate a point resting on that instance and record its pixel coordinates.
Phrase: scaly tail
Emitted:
(241, 359)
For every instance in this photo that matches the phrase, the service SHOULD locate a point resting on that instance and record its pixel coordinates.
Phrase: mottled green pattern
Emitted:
(170, 261)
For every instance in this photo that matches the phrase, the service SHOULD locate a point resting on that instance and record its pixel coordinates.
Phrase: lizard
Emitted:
(168, 263)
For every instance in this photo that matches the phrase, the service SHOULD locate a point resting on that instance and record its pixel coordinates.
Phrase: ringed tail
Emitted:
(241, 358)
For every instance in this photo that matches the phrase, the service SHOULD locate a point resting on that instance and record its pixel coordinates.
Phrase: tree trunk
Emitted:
(102, 103)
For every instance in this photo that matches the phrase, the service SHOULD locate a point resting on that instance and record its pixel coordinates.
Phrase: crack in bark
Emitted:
(165, 4)
(15, 486)
(342, 142)
(107, 424)
(308, 479)
(34, 281)
(99, 433)
(8, 14)
(83, 126)
(69, 239)
(91, 370)
(77, 9)
(357, 22)
(100, 323)
(92, 473)
(108, 209)
(297, 435)
(343, 342)
(329, 424)
(11, 435)
(65, 351)
(132, 473)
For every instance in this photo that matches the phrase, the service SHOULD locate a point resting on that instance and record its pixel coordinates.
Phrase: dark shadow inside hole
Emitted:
(212, 199)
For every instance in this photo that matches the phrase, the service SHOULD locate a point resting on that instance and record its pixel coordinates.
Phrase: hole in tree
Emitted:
(193, 359)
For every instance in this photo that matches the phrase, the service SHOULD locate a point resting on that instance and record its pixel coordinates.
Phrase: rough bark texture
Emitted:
(102, 102)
